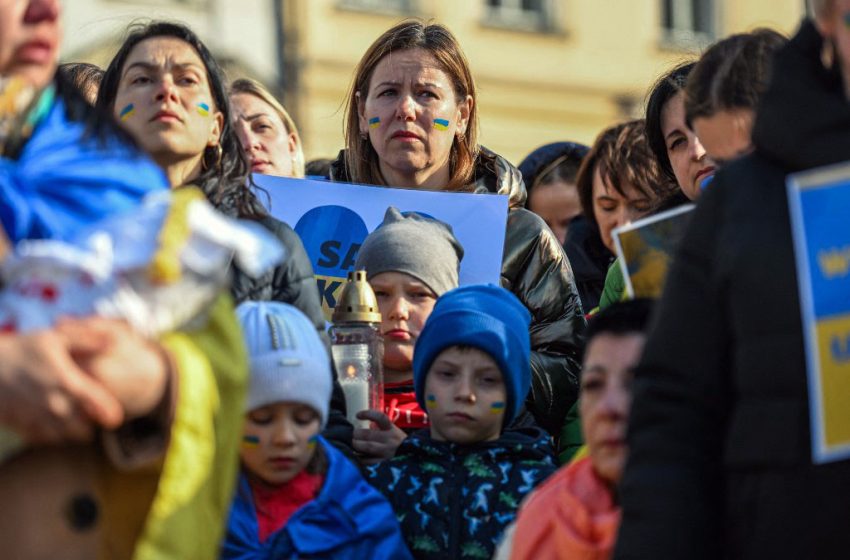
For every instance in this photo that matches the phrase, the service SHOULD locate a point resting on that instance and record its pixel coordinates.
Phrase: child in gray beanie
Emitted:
(410, 261)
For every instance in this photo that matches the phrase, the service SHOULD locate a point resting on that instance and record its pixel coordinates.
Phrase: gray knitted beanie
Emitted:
(422, 247)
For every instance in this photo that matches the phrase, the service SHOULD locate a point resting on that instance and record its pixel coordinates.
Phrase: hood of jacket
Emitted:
(493, 174)
(347, 510)
(804, 117)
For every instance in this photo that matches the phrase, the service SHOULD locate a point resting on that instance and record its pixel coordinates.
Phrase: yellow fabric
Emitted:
(580, 454)
(165, 268)
(196, 485)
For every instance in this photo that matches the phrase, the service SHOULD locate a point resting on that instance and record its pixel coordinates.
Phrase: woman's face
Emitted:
(612, 210)
(726, 134)
(269, 147)
(686, 153)
(405, 304)
(412, 115)
(165, 102)
(278, 441)
(29, 39)
(606, 398)
(557, 203)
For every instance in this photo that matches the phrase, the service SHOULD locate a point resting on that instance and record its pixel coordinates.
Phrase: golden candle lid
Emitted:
(357, 302)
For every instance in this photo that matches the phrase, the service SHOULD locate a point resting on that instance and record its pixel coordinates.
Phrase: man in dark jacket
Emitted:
(720, 453)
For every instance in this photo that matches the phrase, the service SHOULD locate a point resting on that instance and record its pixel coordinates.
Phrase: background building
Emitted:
(546, 69)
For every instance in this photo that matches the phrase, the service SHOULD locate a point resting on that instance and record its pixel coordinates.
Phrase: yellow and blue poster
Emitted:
(333, 220)
(819, 203)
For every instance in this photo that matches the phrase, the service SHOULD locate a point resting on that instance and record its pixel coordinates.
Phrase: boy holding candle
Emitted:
(456, 486)
(297, 495)
(410, 261)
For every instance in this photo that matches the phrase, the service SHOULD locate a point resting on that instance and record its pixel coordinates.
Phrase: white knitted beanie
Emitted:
(288, 360)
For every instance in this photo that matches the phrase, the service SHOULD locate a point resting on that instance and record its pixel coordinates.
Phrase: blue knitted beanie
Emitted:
(486, 317)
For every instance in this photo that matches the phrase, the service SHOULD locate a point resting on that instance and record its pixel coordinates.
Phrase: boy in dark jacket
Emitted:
(456, 486)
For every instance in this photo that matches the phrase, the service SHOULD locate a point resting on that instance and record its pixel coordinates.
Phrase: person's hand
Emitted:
(45, 397)
(133, 368)
(377, 444)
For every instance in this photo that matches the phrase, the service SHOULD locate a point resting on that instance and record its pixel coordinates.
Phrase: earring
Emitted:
(827, 54)
(219, 153)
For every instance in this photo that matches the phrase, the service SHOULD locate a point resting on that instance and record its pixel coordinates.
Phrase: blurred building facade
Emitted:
(546, 70)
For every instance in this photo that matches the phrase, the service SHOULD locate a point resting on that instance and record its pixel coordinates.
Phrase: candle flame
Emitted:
(351, 371)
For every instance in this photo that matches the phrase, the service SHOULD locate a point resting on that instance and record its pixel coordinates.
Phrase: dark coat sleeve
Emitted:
(671, 492)
(536, 270)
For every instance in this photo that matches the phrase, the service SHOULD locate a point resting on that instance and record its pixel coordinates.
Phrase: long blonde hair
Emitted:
(360, 157)
(253, 87)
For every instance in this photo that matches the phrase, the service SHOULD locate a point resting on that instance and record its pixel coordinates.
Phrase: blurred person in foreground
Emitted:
(720, 461)
(127, 441)
(575, 513)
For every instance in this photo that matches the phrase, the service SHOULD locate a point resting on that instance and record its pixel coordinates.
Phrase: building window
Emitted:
(379, 6)
(689, 22)
(531, 15)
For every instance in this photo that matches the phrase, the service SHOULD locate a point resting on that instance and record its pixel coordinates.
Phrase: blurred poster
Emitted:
(333, 220)
(819, 203)
(645, 249)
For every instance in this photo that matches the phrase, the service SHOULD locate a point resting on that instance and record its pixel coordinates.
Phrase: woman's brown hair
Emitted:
(622, 155)
(360, 157)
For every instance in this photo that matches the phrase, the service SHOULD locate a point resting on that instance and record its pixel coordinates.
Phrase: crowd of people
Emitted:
(551, 416)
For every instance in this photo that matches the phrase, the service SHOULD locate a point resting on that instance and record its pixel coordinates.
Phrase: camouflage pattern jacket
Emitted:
(454, 501)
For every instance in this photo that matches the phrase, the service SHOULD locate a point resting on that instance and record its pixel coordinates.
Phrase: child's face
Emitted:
(405, 303)
(278, 441)
(465, 396)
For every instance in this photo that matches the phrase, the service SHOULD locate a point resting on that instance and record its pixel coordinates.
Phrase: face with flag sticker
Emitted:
(278, 441)
(412, 115)
(465, 396)
(164, 100)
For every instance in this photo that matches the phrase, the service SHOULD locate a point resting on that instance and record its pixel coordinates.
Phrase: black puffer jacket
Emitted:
(536, 270)
(720, 453)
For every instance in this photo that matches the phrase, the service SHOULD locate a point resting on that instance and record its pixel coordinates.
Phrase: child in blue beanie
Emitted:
(456, 486)
(297, 495)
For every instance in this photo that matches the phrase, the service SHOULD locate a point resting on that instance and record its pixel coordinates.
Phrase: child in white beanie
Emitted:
(297, 496)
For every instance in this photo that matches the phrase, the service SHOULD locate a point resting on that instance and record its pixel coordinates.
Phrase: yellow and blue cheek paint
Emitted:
(374, 122)
(127, 112)
(203, 109)
(431, 402)
(497, 407)
(441, 124)
(250, 441)
(312, 442)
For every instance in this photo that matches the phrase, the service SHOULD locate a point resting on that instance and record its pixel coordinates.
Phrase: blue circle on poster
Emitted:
(332, 235)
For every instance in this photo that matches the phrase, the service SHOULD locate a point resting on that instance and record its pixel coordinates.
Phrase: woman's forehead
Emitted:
(164, 51)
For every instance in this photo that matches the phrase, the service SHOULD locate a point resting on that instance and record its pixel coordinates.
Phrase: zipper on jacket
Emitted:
(457, 501)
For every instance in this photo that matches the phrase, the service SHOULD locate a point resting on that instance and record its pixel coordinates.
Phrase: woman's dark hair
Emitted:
(620, 319)
(732, 74)
(663, 91)
(85, 76)
(559, 161)
(225, 181)
(621, 154)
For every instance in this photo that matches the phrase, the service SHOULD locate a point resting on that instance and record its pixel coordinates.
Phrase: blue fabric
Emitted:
(62, 180)
(348, 519)
(486, 317)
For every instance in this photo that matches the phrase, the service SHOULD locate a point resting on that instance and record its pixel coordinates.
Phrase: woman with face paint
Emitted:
(168, 92)
(720, 453)
(412, 121)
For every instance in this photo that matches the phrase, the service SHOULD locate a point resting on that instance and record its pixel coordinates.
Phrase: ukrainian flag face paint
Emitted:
(279, 440)
(497, 407)
(127, 112)
(203, 109)
(374, 122)
(441, 124)
(431, 402)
